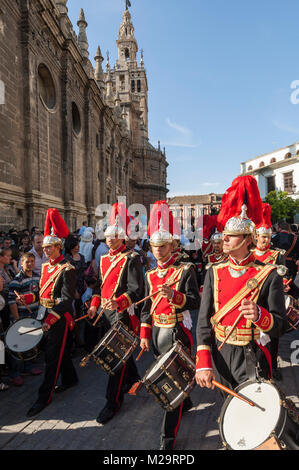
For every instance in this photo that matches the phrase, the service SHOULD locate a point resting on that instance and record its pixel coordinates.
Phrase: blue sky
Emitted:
(219, 74)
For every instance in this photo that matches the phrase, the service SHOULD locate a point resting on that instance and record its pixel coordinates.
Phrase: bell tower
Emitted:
(130, 81)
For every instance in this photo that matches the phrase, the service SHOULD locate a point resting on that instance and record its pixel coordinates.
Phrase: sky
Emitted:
(222, 80)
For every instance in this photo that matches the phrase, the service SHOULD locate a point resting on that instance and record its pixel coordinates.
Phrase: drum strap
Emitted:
(251, 362)
(235, 301)
(174, 277)
(52, 278)
(114, 264)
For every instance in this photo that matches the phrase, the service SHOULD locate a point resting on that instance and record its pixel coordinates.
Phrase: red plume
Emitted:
(55, 221)
(119, 210)
(266, 216)
(160, 212)
(244, 190)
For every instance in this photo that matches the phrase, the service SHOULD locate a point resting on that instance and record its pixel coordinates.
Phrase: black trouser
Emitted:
(5, 317)
(234, 365)
(163, 339)
(57, 347)
(128, 374)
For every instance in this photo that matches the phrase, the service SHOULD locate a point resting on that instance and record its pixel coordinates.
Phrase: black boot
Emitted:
(166, 443)
(36, 408)
(107, 413)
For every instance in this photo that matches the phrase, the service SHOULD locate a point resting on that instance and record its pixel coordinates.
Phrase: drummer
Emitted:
(264, 253)
(165, 318)
(120, 284)
(23, 301)
(57, 291)
(239, 286)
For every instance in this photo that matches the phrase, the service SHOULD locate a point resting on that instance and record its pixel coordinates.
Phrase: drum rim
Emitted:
(172, 349)
(10, 327)
(282, 415)
(177, 346)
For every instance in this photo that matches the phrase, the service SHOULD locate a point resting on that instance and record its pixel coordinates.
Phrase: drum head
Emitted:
(160, 361)
(22, 343)
(245, 427)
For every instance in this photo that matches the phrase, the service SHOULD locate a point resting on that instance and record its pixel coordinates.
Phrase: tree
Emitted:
(283, 207)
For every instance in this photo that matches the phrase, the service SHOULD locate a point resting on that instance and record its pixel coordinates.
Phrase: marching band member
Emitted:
(264, 253)
(57, 291)
(217, 254)
(165, 318)
(120, 285)
(241, 292)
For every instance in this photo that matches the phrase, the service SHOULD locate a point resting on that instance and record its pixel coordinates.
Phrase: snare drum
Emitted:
(172, 377)
(115, 348)
(245, 427)
(26, 346)
(292, 307)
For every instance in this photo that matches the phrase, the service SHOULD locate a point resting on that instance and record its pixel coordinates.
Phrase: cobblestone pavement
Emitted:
(69, 422)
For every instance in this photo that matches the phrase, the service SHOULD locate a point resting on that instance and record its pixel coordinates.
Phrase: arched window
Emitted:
(46, 86)
(249, 168)
(273, 160)
(287, 155)
(133, 86)
(127, 54)
(76, 119)
(138, 86)
(261, 164)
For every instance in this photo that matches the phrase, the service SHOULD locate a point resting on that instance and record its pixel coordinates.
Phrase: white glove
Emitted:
(187, 322)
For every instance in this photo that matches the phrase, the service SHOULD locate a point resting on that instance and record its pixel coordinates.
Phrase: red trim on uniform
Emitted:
(95, 301)
(204, 359)
(59, 360)
(134, 324)
(265, 323)
(179, 422)
(119, 250)
(29, 299)
(189, 335)
(145, 332)
(123, 302)
(119, 386)
(51, 319)
(57, 260)
(268, 357)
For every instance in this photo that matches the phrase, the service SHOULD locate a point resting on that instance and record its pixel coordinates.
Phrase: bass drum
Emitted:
(272, 425)
(22, 345)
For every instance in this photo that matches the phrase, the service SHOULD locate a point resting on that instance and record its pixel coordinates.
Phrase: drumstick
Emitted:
(18, 297)
(29, 331)
(231, 392)
(81, 318)
(154, 293)
(100, 314)
(236, 322)
(140, 354)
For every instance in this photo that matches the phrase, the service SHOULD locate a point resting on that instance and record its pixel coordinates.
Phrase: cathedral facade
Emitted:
(72, 135)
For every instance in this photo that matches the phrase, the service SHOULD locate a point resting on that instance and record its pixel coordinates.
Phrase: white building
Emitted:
(276, 171)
